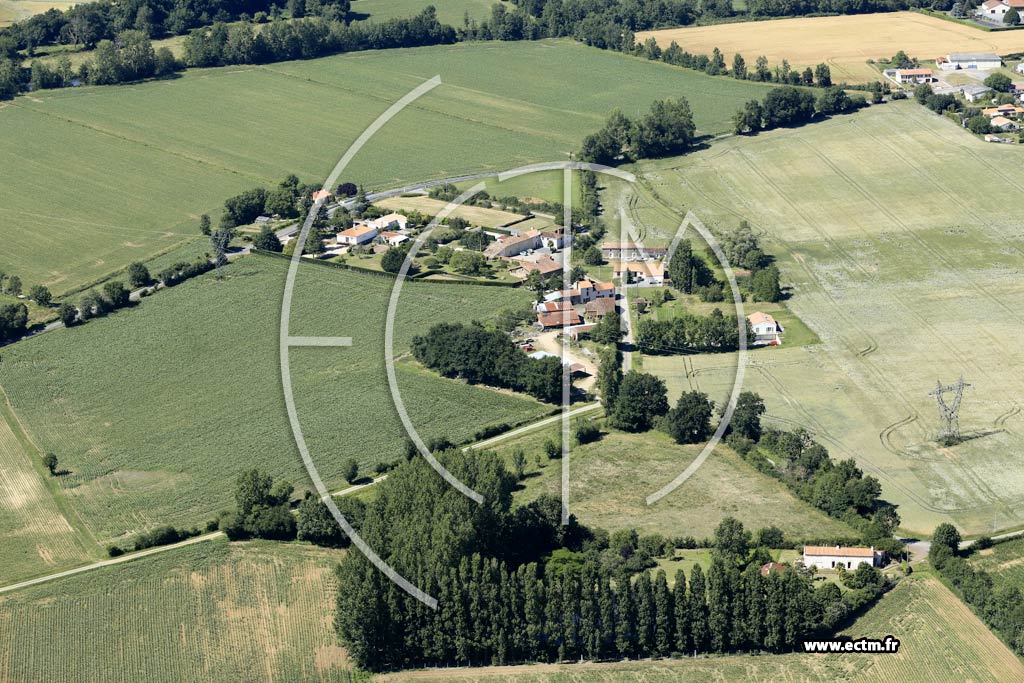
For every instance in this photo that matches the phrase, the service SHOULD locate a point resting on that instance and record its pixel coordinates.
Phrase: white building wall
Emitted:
(833, 561)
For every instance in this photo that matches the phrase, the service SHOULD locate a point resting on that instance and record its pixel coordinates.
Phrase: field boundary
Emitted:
(53, 486)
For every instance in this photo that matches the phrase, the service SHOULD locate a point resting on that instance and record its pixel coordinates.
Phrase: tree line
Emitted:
(839, 489)
(89, 23)
(690, 333)
(481, 356)
(514, 585)
(790, 106)
(666, 129)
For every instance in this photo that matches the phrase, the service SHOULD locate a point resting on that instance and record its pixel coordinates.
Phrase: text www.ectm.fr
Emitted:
(889, 644)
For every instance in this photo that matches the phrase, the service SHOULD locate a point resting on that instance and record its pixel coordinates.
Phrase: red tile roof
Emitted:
(840, 551)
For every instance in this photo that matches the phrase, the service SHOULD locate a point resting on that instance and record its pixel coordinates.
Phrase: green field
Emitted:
(1004, 561)
(941, 642)
(155, 410)
(904, 274)
(210, 612)
(451, 12)
(103, 175)
(611, 478)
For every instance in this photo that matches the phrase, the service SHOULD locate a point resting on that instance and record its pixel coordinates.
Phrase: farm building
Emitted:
(358, 234)
(321, 194)
(1003, 123)
(971, 60)
(553, 306)
(390, 221)
(630, 251)
(588, 290)
(830, 557)
(976, 93)
(565, 318)
(1007, 110)
(262, 220)
(766, 329)
(995, 10)
(642, 273)
(599, 308)
(913, 76)
(996, 138)
(555, 239)
(513, 245)
(542, 263)
(392, 239)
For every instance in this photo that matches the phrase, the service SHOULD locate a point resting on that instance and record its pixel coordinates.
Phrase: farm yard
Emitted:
(907, 278)
(213, 612)
(136, 166)
(154, 411)
(941, 642)
(611, 478)
(845, 43)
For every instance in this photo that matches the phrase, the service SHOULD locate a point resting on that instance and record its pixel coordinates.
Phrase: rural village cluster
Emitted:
(258, 427)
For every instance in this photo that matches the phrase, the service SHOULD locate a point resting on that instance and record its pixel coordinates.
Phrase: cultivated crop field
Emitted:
(611, 478)
(905, 275)
(155, 410)
(941, 642)
(208, 612)
(845, 43)
(35, 535)
(102, 176)
(1005, 561)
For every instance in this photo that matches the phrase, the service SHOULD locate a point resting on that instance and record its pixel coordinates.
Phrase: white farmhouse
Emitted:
(359, 234)
(390, 221)
(766, 329)
(830, 557)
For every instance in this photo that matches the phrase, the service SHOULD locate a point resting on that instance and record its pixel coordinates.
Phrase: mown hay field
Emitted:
(36, 536)
(215, 612)
(611, 478)
(941, 642)
(155, 410)
(845, 43)
(905, 274)
(100, 176)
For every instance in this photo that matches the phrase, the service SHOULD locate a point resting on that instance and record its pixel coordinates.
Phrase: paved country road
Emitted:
(153, 551)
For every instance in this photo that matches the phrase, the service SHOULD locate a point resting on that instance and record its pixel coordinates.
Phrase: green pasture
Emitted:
(155, 410)
(101, 176)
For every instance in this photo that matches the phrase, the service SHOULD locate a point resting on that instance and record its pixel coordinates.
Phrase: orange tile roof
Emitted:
(840, 551)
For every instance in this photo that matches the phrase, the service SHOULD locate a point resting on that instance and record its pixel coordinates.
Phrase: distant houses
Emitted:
(767, 331)
(513, 245)
(831, 557)
(642, 273)
(1007, 110)
(995, 10)
(562, 308)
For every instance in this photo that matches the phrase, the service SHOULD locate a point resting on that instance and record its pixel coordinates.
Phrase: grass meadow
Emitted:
(101, 176)
(611, 478)
(155, 410)
(941, 642)
(845, 43)
(214, 612)
(906, 275)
